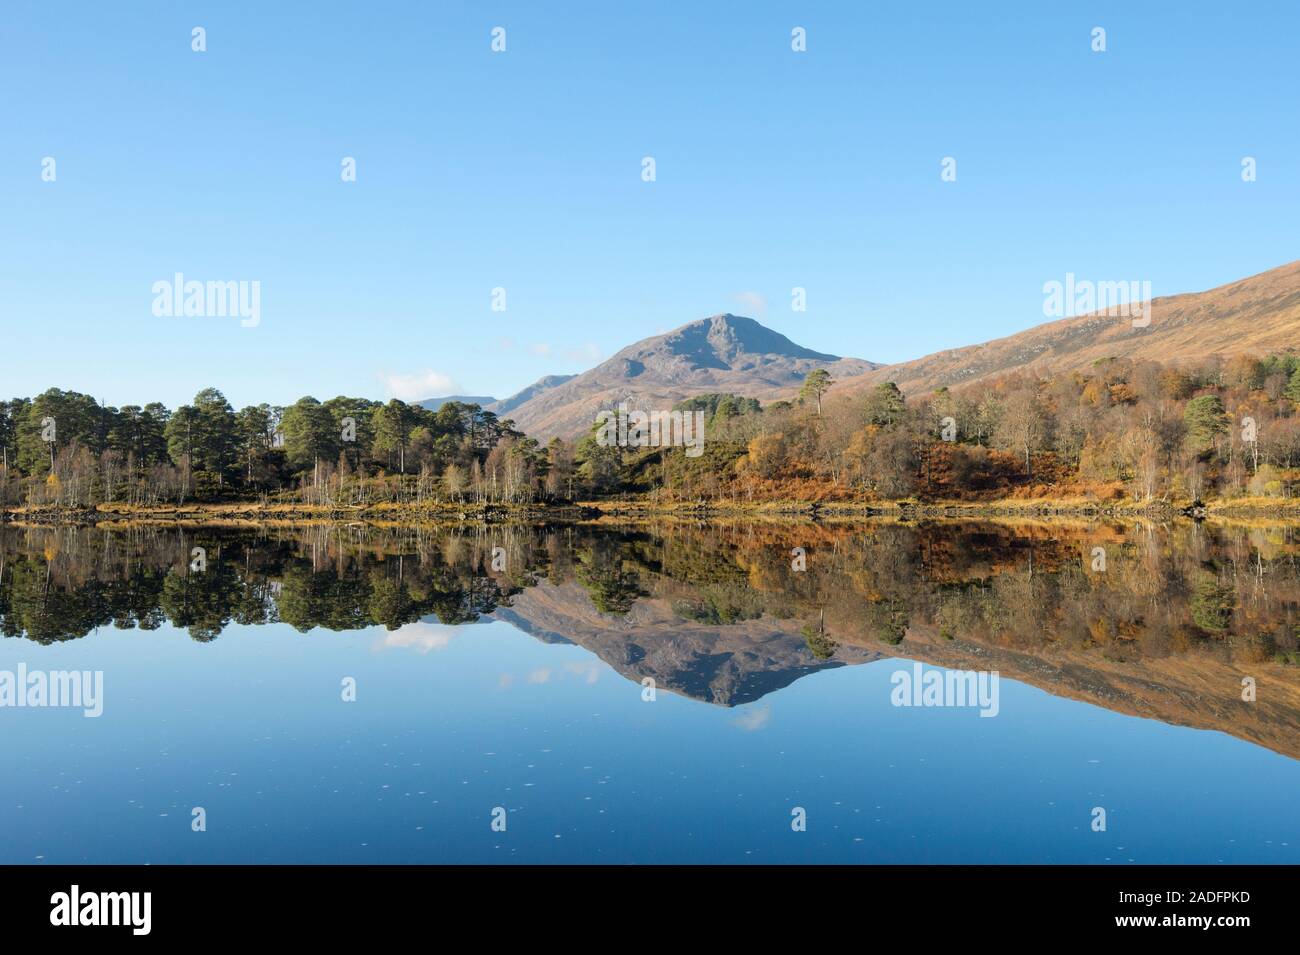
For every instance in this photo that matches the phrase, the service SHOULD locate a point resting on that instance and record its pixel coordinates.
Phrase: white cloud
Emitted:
(418, 385)
(420, 637)
(540, 348)
(542, 675)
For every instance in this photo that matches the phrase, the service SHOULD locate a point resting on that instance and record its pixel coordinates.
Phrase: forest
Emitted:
(1120, 431)
(1223, 591)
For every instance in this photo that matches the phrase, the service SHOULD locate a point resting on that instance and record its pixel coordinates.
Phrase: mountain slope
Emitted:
(725, 664)
(724, 353)
(739, 663)
(1255, 315)
(730, 353)
(507, 405)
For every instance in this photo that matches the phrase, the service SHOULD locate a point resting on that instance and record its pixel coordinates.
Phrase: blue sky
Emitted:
(522, 170)
(452, 721)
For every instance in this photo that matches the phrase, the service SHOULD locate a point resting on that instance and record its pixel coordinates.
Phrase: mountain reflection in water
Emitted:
(1159, 622)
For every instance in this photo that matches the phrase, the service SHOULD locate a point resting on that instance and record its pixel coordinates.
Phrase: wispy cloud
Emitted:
(588, 352)
(755, 719)
(752, 302)
(588, 672)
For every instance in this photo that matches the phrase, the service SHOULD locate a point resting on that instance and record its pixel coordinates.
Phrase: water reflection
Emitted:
(1162, 622)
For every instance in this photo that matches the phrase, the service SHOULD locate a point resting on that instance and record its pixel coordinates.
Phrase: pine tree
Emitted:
(1293, 386)
(816, 384)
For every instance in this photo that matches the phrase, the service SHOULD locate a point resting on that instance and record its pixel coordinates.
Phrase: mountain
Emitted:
(725, 664)
(1254, 315)
(737, 663)
(433, 404)
(724, 353)
(730, 353)
(507, 405)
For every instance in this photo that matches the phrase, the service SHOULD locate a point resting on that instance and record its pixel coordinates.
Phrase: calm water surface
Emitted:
(509, 668)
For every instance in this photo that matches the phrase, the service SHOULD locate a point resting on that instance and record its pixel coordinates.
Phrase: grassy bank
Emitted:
(254, 513)
(907, 508)
(1043, 506)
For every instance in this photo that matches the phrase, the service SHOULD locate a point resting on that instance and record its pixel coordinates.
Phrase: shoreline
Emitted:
(258, 514)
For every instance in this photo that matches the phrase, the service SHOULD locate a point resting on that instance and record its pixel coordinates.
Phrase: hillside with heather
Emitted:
(1252, 316)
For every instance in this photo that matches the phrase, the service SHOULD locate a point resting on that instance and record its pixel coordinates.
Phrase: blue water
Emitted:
(450, 722)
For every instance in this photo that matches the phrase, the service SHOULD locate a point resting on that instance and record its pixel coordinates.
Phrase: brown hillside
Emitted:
(1255, 315)
(724, 353)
